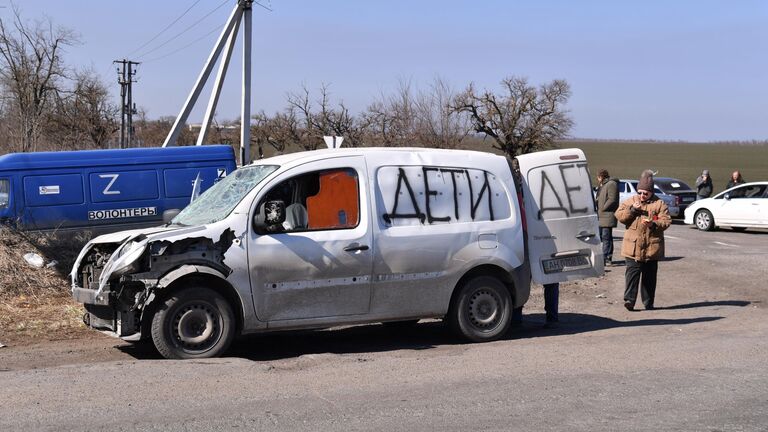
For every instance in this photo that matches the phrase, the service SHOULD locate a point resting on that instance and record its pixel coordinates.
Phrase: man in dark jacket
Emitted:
(704, 185)
(607, 204)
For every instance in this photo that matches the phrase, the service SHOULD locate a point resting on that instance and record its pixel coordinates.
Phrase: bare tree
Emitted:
(30, 70)
(84, 116)
(521, 119)
(437, 124)
(278, 132)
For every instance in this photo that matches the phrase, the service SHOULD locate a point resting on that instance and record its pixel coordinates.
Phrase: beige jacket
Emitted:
(643, 242)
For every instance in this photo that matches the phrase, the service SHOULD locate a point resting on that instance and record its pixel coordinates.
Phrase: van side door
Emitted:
(318, 263)
(563, 232)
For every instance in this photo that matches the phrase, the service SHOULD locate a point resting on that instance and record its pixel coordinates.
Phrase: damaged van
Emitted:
(347, 236)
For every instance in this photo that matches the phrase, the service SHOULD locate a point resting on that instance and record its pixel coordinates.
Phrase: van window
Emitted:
(426, 195)
(218, 202)
(319, 200)
(5, 188)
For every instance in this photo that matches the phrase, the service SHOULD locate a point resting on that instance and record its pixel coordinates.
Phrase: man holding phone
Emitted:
(645, 218)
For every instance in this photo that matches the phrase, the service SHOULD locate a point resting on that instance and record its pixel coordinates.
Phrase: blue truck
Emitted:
(105, 190)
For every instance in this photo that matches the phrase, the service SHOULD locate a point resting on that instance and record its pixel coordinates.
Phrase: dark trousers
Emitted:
(642, 274)
(551, 300)
(606, 235)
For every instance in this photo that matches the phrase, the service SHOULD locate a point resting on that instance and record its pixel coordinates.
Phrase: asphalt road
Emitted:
(697, 363)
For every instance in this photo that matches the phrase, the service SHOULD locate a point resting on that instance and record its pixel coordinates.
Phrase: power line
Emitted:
(166, 28)
(217, 28)
(184, 31)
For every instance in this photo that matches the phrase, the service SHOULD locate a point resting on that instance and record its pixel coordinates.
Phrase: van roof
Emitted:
(79, 158)
(369, 151)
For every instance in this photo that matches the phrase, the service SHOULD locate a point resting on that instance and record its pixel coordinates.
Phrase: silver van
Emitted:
(346, 236)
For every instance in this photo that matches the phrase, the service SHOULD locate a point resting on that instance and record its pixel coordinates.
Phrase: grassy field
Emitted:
(680, 160)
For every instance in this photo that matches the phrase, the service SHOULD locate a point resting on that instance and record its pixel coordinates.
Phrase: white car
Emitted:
(741, 207)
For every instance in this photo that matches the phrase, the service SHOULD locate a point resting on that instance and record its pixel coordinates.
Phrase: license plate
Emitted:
(687, 199)
(558, 265)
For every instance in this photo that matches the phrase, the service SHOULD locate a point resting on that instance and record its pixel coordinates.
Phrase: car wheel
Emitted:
(704, 220)
(481, 310)
(193, 322)
(739, 229)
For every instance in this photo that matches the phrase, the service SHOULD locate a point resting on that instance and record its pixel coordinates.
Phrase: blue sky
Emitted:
(677, 70)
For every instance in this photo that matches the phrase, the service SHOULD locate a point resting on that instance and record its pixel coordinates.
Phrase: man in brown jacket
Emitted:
(645, 218)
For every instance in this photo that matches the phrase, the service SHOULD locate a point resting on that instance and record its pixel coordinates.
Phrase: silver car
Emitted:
(628, 188)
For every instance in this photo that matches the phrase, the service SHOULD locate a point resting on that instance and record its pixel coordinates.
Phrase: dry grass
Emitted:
(35, 302)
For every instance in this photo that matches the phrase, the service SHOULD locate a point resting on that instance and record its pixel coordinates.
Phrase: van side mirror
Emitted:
(270, 214)
(169, 214)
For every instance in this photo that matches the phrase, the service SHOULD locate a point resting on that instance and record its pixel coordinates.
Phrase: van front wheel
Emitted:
(194, 322)
(481, 310)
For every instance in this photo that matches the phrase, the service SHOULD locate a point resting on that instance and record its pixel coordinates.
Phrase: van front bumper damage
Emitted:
(116, 278)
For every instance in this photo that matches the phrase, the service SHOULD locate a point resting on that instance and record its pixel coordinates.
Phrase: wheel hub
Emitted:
(484, 309)
(195, 325)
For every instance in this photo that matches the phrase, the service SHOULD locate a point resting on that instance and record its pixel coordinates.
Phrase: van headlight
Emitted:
(125, 259)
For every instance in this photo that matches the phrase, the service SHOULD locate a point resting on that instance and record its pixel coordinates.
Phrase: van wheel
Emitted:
(704, 220)
(481, 310)
(193, 322)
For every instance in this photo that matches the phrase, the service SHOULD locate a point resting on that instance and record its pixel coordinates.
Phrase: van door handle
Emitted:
(354, 247)
(584, 236)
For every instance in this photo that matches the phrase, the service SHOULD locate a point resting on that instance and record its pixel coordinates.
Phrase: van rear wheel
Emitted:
(482, 310)
(193, 322)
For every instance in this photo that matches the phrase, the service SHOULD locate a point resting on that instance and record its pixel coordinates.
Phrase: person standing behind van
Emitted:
(703, 185)
(645, 218)
(607, 204)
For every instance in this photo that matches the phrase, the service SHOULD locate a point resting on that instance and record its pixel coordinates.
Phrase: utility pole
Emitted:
(223, 49)
(125, 77)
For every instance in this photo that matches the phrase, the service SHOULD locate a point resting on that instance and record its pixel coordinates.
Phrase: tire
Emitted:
(481, 310)
(194, 322)
(704, 220)
(739, 229)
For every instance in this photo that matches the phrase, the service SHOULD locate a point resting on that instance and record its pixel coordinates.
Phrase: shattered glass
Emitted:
(219, 201)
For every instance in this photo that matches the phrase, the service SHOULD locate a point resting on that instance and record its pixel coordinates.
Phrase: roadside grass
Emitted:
(34, 302)
(684, 161)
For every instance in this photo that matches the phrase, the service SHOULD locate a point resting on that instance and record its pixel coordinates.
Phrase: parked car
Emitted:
(677, 188)
(741, 207)
(628, 188)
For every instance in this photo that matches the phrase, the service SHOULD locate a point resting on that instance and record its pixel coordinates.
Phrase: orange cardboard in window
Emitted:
(336, 204)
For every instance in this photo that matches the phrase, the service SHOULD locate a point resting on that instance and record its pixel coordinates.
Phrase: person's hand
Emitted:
(636, 205)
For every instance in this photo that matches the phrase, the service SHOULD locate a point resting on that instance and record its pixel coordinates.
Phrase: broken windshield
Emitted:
(219, 201)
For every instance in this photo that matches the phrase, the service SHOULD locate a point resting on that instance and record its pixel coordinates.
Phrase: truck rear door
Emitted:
(563, 233)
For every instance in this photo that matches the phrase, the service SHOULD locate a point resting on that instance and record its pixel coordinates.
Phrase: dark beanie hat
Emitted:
(646, 181)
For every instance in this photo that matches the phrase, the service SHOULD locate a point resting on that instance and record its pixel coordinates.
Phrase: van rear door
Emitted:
(563, 232)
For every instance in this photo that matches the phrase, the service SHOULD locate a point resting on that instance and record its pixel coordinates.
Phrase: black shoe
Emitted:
(651, 307)
(629, 305)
